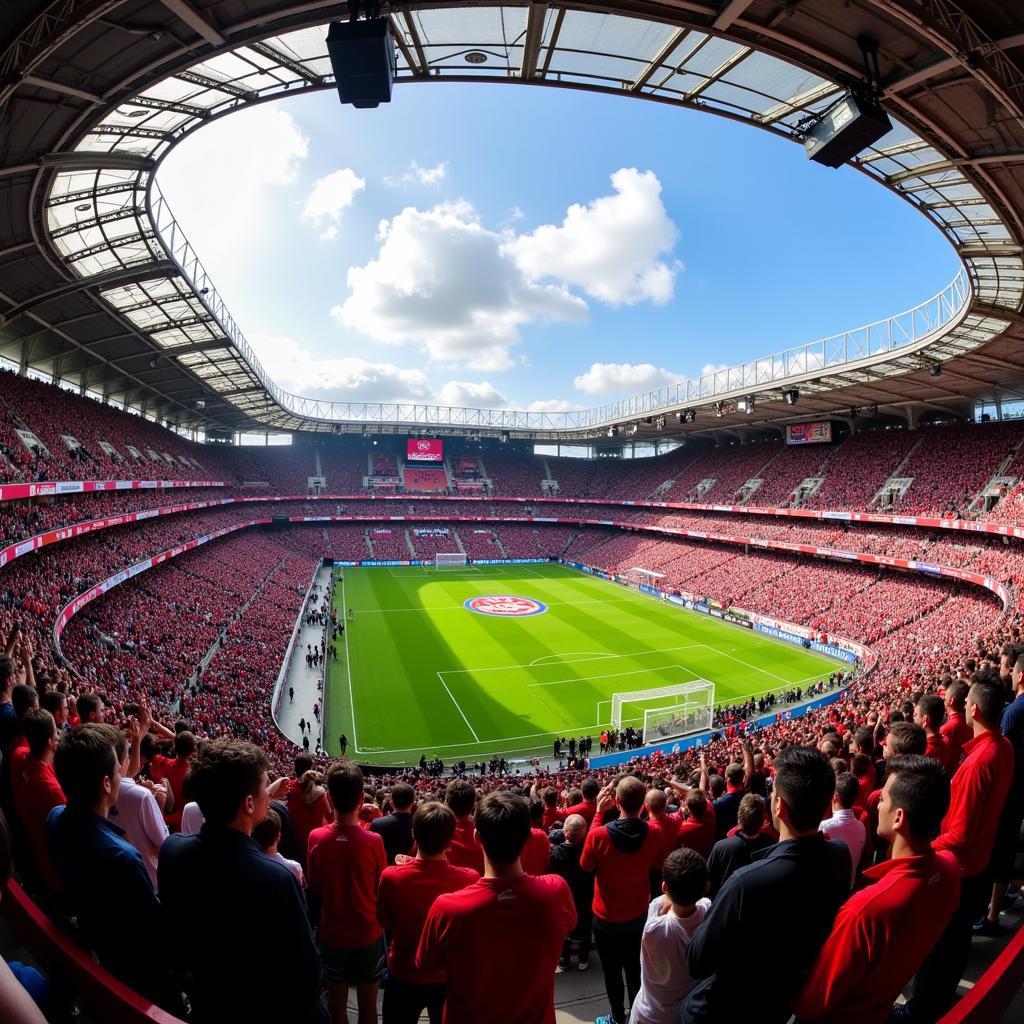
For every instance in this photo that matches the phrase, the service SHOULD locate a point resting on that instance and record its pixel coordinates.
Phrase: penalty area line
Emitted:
(458, 707)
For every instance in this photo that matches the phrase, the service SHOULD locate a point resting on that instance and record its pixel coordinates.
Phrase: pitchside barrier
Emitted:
(678, 746)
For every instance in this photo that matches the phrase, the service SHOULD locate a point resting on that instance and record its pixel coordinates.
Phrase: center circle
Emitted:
(505, 605)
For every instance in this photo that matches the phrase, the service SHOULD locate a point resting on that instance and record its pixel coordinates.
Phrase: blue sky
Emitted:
(531, 247)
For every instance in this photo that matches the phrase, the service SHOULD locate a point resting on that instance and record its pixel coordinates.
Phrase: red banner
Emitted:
(420, 449)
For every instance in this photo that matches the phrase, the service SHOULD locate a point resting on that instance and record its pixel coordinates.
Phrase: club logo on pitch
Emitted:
(505, 605)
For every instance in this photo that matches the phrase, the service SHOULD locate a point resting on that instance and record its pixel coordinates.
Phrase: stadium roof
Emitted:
(99, 287)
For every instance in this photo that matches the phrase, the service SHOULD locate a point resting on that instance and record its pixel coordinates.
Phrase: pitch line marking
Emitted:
(590, 656)
(631, 654)
(755, 668)
(348, 670)
(458, 708)
(611, 675)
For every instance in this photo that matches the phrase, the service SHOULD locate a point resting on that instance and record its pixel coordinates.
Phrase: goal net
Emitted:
(638, 575)
(664, 712)
(449, 561)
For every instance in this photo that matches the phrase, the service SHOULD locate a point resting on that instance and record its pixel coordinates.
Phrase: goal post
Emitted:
(450, 560)
(667, 711)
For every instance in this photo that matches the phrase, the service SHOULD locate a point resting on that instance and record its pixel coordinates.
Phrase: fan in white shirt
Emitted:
(671, 921)
(844, 825)
(268, 834)
(138, 812)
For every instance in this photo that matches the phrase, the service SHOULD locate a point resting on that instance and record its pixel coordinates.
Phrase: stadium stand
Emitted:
(885, 802)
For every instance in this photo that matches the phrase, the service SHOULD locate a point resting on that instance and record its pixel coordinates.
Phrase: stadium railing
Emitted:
(992, 994)
(71, 969)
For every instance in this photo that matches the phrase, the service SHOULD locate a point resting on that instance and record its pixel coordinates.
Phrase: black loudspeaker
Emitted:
(845, 129)
(363, 59)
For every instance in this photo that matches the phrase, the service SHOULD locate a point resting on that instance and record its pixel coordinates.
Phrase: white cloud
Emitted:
(613, 248)
(417, 175)
(445, 283)
(340, 379)
(474, 394)
(553, 405)
(329, 198)
(610, 378)
(220, 183)
(709, 368)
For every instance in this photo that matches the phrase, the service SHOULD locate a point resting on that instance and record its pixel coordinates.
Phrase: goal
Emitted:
(666, 711)
(455, 560)
(638, 575)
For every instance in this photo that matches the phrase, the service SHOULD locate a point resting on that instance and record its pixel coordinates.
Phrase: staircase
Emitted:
(501, 547)
(458, 541)
(806, 489)
(744, 493)
(408, 544)
(998, 486)
(369, 543)
(701, 489)
(896, 486)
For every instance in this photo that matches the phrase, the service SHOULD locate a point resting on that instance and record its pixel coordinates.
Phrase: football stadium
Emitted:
(439, 580)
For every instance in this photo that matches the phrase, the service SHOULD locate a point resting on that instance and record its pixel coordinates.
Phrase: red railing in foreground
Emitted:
(103, 997)
(993, 992)
(114, 1003)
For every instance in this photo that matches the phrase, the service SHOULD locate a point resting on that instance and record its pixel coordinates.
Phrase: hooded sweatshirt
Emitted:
(621, 854)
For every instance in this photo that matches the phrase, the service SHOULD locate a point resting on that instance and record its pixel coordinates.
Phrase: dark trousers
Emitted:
(935, 983)
(403, 1002)
(618, 946)
(579, 938)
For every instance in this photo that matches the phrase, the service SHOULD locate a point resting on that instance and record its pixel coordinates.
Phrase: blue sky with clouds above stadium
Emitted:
(531, 248)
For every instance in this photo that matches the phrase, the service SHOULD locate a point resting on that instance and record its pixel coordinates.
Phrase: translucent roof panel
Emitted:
(97, 219)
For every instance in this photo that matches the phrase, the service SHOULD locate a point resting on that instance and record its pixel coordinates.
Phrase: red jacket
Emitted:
(937, 747)
(699, 834)
(621, 889)
(979, 791)
(587, 809)
(880, 937)
(956, 732)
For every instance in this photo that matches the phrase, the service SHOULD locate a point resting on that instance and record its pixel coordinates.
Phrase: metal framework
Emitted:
(95, 208)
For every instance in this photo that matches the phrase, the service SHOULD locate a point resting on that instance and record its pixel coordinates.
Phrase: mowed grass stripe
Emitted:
(427, 674)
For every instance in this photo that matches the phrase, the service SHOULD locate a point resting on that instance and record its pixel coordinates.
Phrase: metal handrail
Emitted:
(912, 327)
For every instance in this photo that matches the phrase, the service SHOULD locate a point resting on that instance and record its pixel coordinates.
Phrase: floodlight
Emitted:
(792, 396)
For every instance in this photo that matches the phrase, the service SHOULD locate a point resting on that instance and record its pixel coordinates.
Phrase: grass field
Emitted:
(420, 673)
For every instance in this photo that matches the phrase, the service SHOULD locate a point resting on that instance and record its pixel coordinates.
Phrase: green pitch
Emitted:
(419, 673)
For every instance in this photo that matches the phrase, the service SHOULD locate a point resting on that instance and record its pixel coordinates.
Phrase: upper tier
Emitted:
(50, 434)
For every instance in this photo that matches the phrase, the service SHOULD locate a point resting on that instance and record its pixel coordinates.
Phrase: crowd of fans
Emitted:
(880, 824)
(885, 824)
